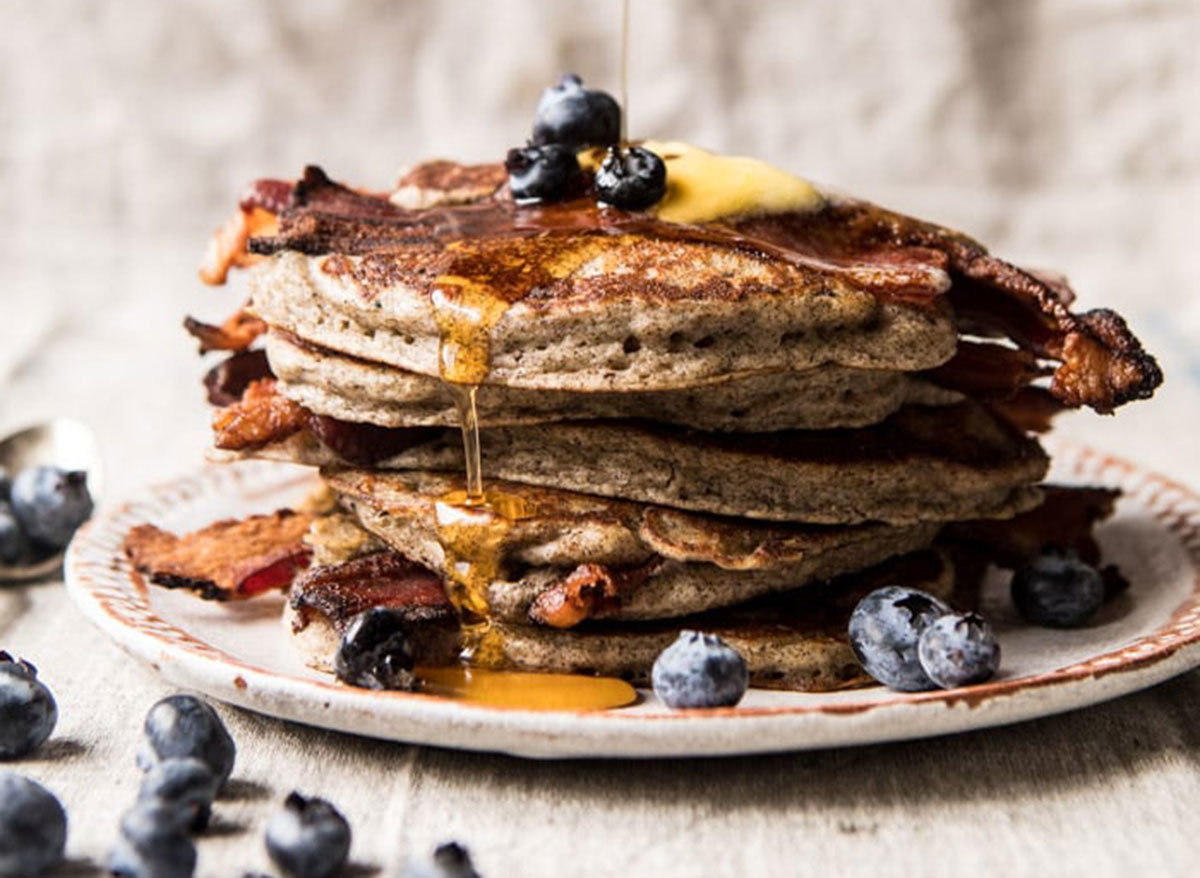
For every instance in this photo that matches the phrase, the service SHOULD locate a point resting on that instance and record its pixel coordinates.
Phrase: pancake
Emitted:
(794, 641)
(709, 313)
(352, 389)
(563, 557)
(922, 464)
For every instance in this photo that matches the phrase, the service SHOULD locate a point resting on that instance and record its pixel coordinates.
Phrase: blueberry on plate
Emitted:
(959, 650)
(51, 503)
(575, 116)
(308, 838)
(12, 538)
(632, 178)
(1057, 589)
(375, 652)
(182, 725)
(542, 173)
(885, 628)
(450, 860)
(33, 827)
(699, 670)
(153, 843)
(28, 711)
(187, 783)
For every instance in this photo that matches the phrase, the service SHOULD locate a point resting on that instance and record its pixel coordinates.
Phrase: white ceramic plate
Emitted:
(239, 653)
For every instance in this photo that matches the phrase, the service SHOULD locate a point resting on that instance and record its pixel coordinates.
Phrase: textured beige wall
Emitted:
(136, 110)
(1064, 133)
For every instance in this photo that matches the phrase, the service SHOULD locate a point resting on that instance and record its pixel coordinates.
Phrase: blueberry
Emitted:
(51, 503)
(28, 711)
(448, 861)
(33, 827)
(631, 179)
(153, 843)
(542, 173)
(699, 670)
(575, 116)
(186, 783)
(12, 538)
(181, 726)
(309, 838)
(959, 650)
(884, 630)
(375, 652)
(1057, 589)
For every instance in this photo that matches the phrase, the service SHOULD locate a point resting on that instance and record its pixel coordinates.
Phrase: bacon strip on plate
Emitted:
(229, 559)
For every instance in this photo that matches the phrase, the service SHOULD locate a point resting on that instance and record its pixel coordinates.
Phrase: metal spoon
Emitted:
(64, 443)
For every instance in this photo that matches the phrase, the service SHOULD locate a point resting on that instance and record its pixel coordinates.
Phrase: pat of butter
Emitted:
(704, 187)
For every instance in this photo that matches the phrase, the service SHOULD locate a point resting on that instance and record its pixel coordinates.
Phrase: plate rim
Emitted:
(102, 587)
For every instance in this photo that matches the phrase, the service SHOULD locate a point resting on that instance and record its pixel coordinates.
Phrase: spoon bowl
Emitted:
(62, 442)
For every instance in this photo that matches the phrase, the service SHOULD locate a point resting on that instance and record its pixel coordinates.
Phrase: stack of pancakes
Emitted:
(736, 423)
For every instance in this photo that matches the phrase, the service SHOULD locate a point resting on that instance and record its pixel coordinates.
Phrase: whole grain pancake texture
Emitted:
(552, 435)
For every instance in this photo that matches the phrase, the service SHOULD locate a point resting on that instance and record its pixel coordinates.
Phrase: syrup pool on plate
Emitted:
(527, 691)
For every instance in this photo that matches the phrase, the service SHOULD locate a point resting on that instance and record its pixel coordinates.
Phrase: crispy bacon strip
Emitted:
(226, 382)
(342, 591)
(590, 591)
(260, 417)
(1032, 409)
(1066, 518)
(988, 371)
(366, 444)
(235, 334)
(257, 214)
(228, 560)
(1001, 377)
(339, 592)
(263, 415)
(227, 248)
(1102, 364)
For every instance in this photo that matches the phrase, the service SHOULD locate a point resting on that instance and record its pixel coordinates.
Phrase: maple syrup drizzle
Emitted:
(530, 691)
(472, 535)
(468, 419)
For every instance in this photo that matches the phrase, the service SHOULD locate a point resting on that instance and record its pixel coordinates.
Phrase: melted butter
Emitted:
(528, 691)
(705, 187)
